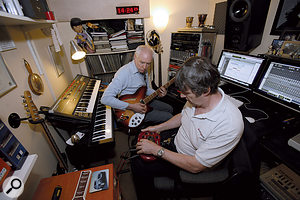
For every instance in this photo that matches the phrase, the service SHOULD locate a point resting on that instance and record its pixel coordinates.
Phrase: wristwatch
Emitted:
(160, 152)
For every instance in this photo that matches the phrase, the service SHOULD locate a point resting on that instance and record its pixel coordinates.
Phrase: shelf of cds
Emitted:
(115, 42)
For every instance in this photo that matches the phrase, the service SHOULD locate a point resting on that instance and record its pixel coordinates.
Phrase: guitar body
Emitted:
(128, 117)
(131, 119)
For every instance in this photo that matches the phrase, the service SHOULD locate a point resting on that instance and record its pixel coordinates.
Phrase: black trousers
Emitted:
(144, 171)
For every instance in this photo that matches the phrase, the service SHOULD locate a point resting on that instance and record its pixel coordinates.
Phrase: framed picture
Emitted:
(56, 59)
(7, 82)
(286, 17)
(276, 46)
(290, 35)
(290, 49)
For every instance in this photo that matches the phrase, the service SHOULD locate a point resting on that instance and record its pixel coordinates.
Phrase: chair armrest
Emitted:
(213, 176)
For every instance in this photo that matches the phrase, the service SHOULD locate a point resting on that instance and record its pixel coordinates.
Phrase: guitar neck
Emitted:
(154, 94)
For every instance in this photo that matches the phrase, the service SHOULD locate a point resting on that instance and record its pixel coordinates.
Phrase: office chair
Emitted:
(235, 178)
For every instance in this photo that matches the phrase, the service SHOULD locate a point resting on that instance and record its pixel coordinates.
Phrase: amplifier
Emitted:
(11, 149)
(282, 183)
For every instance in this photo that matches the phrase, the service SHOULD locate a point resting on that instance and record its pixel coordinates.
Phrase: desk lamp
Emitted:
(76, 51)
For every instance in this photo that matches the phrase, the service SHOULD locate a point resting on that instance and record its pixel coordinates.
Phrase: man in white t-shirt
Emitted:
(210, 126)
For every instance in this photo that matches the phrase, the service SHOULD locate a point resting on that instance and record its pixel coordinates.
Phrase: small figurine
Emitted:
(84, 40)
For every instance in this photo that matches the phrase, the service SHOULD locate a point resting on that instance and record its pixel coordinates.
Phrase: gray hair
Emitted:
(143, 48)
(198, 75)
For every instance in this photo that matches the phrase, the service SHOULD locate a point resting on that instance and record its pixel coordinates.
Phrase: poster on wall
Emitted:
(56, 59)
(7, 82)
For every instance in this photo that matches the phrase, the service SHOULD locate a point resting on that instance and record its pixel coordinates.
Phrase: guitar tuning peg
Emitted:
(27, 110)
(22, 96)
(24, 101)
(25, 105)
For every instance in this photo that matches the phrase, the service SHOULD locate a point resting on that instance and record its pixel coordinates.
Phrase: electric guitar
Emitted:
(130, 118)
(35, 119)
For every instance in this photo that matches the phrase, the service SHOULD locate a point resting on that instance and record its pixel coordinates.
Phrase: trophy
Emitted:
(189, 22)
(201, 18)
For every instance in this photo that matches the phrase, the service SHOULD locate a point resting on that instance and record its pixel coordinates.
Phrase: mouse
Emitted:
(250, 119)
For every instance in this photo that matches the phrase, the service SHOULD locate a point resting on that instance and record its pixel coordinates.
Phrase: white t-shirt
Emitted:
(210, 137)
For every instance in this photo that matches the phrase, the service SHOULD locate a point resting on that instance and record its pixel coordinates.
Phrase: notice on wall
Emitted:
(6, 43)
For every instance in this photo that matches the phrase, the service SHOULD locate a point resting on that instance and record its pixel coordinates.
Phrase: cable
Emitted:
(253, 109)
(241, 92)
(125, 156)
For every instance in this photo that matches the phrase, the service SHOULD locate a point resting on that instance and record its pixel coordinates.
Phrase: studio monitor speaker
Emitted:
(245, 21)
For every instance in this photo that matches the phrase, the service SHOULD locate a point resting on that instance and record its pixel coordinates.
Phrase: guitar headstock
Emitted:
(31, 108)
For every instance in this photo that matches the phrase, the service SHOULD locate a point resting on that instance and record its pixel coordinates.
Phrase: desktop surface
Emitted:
(68, 183)
(275, 131)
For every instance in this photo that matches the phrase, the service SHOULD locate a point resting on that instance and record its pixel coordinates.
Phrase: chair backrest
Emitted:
(245, 156)
(244, 168)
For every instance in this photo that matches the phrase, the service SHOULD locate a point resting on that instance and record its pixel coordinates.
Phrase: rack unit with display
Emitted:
(185, 44)
(115, 41)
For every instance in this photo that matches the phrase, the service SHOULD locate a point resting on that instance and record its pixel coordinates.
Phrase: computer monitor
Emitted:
(240, 69)
(281, 82)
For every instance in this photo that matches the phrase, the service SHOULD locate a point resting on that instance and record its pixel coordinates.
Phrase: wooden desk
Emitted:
(68, 182)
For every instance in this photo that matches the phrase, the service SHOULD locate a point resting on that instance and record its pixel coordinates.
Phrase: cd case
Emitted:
(99, 180)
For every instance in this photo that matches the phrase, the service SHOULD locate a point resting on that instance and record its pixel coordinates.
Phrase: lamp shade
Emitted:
(76, 51)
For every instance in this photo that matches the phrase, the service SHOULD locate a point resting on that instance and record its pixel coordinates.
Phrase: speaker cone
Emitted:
(240, 10)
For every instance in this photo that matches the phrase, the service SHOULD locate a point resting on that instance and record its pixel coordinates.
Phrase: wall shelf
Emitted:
(8, 19)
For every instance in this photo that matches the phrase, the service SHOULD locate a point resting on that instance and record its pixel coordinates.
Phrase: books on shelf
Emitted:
(118, 42)
(119, 37)
(113, 35)
(99, 180)
(2, 7)
(132, 46)
(18, 7)
(135, 38)
(101, 42)
(10, 7)
(119, 45)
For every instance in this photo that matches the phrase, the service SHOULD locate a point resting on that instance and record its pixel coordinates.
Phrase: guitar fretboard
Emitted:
(154, 94)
